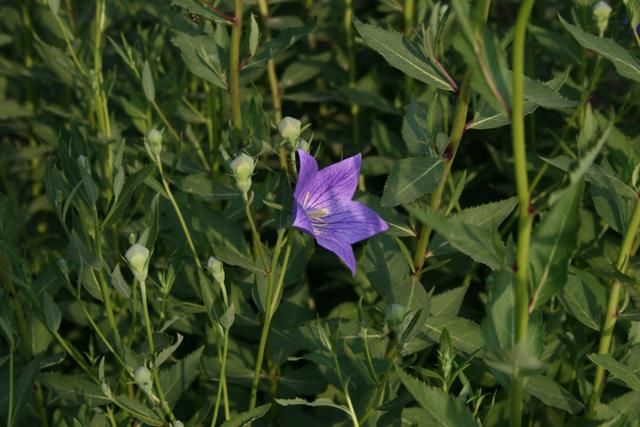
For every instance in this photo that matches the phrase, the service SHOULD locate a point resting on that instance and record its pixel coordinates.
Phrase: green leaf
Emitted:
(75, 388)
(402, 54)
(23, 388)
(414, 129)
(198, 8)
(246, 418)
(448, 303)
(410, 179)
(148, 86)
(254, 35)
(120, 206)
(201, 55)
(579, 301)
(482, 245)
(552, 394)
(466, 336)
(179, 376)
(444, 409)
(626, 64)
(320, 402)
(52, 313)
(553, 242)
(619, 370)
(139, 410)
(167, 352)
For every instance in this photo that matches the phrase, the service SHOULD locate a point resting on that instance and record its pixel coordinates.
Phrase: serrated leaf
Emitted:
(619, 370)
(448, 303)
(466, 336)
(402, 54)
(444, 409)
(52, 313)
(198, 8)
(552, 394)
(178, 378)
(482, 245)
(580, 302)
(139, 410)
(200, 55)
(411, 178)
(414, 129)
(553, 242)
(246, 418)
(626, 64)
(167, 352)
(73, 387)
(148, 85)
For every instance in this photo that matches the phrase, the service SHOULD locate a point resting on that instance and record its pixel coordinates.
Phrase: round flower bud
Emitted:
(601, 12)
(142, 377)
(154, 138)
(63, 266)
(178, 423)
(289, 128)
(216, 268)
(242, 167)
(82, 162)
(394, 314)
(138, 257)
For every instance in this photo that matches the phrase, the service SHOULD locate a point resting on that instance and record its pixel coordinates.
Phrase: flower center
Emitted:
(317, 213)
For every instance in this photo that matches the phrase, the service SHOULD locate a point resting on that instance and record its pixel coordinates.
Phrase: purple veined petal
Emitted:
(349, 221)
(335, 182)
(342, 249)
(306, 174)
(300, 218)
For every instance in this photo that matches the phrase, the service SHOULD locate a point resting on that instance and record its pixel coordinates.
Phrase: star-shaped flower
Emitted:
(324, 209)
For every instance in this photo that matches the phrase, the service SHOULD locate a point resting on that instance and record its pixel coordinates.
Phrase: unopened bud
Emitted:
(153, 144)
(303, 145)
(216, 268)
(83, 163)
(242, 167)
(138, 257)
(394, 314)
(289, 128)
(63, 266)
(601, 12)
(142, 377)
(177, 423)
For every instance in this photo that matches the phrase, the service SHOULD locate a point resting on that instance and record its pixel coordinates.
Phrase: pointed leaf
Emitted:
(412, 178)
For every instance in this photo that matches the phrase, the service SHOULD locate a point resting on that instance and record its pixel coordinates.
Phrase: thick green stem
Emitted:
(457, 130)
(234, 66)
(268, 315)
(522, 186)
(606, 333)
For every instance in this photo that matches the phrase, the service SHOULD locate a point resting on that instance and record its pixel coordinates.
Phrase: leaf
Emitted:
(552, 394)
(23, 388)
(410, 179)
(619, 370)
(579, 301)
(482, 245)
(402, 54)
(466, 336)
(201, 56)
(139, 410)
(448, 303)
(119, 283)
(444, 409)
(320, 402)
(197, 8)
(147, 82)
(76, 388)
(246, 418)
(119, 207)
(254, 35)
(626, 64)
(414, 129)
(52, 313)
(179, 376)
(167, 352)
(554, 240)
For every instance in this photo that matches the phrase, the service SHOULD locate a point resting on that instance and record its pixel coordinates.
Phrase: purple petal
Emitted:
(340, 248)
(308, 170)
(300, 218)
(335, 182)
(351, 222)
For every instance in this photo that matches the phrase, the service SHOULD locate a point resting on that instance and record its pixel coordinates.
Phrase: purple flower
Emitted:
(324, 209)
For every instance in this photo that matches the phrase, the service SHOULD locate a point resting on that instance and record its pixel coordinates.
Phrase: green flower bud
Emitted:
(216, 268)
(289, 128)
(142, 377)
(138, 257)
(242, 167)
(601, 12)
(63, 266)
(83, 163)
(154, 139)
(178, 423)
(394, 314)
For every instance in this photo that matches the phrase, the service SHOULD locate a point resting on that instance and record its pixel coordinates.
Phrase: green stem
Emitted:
(409, 13)
(268, 314)
(221, 384)
(234, 66)
(457, 130)
(522, 185)
(606, 333)
(10, 409)
(257, 244)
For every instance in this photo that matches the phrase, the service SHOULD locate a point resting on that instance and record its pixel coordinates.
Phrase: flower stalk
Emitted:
(524, 213)
(609, 322)
(348, 32)
(234, 66)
